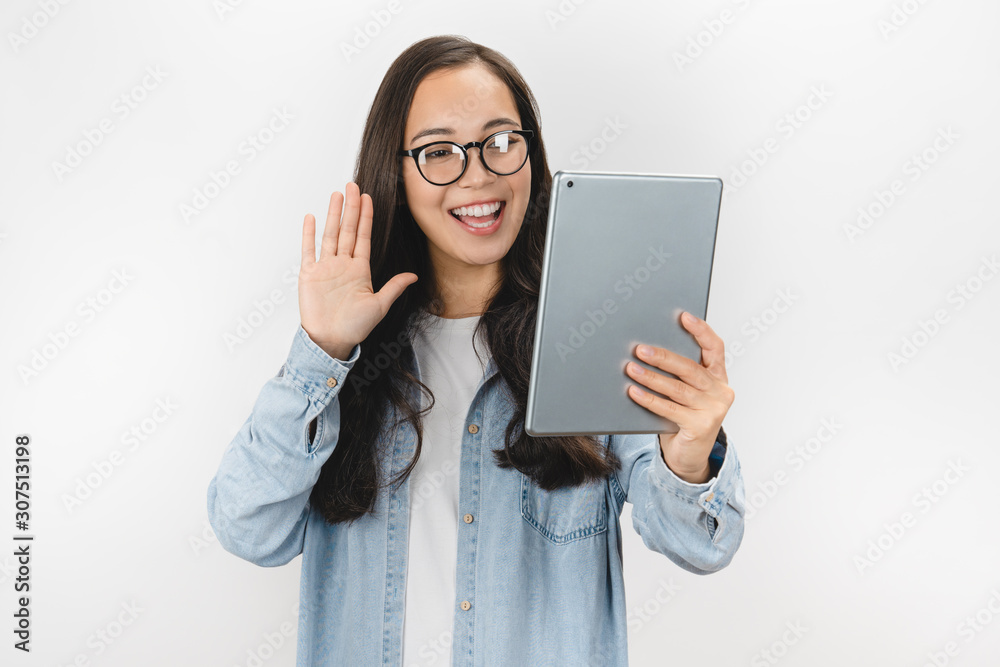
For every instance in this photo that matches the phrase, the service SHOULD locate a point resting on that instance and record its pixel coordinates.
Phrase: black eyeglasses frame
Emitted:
(414, 152)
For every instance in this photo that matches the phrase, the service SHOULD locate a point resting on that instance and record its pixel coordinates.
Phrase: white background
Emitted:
(141, 536)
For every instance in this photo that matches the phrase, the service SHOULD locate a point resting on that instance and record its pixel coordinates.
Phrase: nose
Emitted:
(476, 171)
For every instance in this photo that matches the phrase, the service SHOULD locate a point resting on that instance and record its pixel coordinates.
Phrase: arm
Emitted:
(697, 526)
(259, 498)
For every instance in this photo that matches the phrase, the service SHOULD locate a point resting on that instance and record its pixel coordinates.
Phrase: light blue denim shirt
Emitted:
(539, 576)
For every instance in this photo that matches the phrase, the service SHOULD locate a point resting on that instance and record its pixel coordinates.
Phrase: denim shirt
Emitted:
(539, 576)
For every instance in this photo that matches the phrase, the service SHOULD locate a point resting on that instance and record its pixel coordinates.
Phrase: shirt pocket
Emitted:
(565, 515)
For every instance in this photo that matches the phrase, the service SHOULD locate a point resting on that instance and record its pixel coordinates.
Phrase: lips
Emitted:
(483, 225)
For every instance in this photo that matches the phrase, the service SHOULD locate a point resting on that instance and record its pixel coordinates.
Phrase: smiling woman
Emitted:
(389, 449)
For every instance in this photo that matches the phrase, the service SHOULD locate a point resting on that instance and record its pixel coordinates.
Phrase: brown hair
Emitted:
(350, 478)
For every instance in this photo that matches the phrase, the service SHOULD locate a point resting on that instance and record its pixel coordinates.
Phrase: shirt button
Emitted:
(468, 518)
(466, 605)
(473, 428)
(331, 382)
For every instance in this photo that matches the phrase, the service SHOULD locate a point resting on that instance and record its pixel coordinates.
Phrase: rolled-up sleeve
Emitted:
(697, 526)
(258, 499)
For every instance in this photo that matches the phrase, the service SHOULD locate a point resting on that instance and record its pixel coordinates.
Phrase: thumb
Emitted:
(394, 288)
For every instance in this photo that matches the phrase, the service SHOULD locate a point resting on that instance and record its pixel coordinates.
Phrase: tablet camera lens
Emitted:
(569, 184)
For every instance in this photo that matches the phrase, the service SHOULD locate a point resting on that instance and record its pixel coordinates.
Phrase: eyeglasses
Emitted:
(444, 162)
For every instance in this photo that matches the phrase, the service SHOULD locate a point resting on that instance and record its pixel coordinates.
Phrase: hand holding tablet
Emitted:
(698, 397)
(625, 255)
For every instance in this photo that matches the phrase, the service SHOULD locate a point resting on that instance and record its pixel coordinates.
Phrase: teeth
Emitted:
(477, 211)
(480, 225)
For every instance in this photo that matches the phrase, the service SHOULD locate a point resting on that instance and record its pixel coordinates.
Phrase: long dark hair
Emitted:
(380, 382)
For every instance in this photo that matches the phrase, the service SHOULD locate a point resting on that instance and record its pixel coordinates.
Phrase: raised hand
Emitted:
(337, 304)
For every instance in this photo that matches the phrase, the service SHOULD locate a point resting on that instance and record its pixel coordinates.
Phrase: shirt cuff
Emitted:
(313, 371)
(712, 495)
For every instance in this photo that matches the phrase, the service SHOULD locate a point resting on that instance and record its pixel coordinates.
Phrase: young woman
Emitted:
(389, 450)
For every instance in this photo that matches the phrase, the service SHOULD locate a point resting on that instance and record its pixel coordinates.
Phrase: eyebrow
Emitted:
(447, 130)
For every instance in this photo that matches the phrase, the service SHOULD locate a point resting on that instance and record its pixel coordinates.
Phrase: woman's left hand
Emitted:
(697, 402)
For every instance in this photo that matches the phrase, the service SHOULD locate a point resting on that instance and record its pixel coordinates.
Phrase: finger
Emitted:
(393, 288)
(329, 242)
(308, 241)
(349, 223)
(686, 369)
(664, 407)
(363, 246)
(713, 349)
(674, 389)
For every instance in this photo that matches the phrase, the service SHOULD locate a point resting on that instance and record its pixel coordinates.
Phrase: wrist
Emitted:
(690, 476)
(337, 352)
(335, 349)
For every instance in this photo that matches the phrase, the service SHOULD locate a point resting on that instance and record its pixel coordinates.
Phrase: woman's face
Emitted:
(463, 105)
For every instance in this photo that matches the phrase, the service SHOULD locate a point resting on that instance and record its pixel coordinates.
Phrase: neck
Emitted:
(465, 291)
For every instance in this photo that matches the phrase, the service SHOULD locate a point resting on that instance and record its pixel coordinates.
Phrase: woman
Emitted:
(389, 448)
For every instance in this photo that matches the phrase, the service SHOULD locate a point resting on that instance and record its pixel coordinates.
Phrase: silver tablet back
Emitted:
(625, 254)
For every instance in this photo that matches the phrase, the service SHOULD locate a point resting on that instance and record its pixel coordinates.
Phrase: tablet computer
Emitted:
(625, 254)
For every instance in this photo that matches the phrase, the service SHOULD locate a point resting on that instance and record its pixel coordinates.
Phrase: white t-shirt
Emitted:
(450, 368)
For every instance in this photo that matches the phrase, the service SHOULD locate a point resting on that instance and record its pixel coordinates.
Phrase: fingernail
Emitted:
(689, 318)
(645, 350)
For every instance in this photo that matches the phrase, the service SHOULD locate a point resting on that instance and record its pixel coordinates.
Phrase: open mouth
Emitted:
(483, 221)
